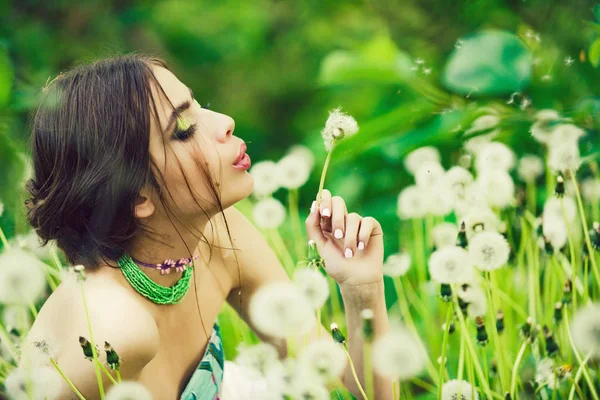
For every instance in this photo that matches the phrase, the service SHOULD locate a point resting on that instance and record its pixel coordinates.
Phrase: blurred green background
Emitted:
(412, 73)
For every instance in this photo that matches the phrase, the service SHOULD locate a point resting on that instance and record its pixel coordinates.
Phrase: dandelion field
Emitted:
(478, 153)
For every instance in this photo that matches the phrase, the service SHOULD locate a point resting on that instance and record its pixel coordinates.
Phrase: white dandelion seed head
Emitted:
(305, 153)
(396, 264)
(128, 390)
(293, 171)
(450, 264)
(444, 234)
(46, 383)
(420, 156)
(485, 122)
(459, 179)
(498, 188)
(489, 251)
(553, 208)
(585, 330)
(476, 143)
(429, 174)
(313, 286)
(473, 198)
(530, 167)
(17, 317)
(481, 219)
(257, 358)
(398, 354)
(541, 130)
(32, 243)
(282, 377)
(325, 358)
(590, 189)
(281, 310)
(269, 213)
(411, 203)
(475, 296)
(266, 178)
(337, 127)
(439, 199)
(565, 133)
(242, 383)
(555, 231)
(494, 156)
(303, 389)
(544, 373)
(38, 348)
(564, 158)
(455, 390)
(22, 277)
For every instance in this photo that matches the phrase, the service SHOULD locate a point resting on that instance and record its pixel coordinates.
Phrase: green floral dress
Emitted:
(207, 379)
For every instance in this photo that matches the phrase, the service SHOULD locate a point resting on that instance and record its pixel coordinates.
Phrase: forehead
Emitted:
(174, 89)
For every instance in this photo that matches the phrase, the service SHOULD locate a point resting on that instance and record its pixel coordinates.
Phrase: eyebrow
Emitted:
(179, 109)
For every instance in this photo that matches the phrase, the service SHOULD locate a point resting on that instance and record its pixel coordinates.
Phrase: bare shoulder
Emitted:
(115, 317)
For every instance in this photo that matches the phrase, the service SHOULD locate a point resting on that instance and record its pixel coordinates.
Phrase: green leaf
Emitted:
(379, 61)
(6, 77)
(488, 63)
(594, 53)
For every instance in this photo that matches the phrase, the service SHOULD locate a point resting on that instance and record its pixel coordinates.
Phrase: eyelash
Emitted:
(185, 134)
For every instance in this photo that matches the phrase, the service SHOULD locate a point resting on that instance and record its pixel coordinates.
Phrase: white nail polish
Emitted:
(361, 245)
(326, 212)
(338, 234)
(313, 207)
(348, 253)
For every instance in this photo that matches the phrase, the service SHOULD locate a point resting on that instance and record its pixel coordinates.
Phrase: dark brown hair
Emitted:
(90, 146)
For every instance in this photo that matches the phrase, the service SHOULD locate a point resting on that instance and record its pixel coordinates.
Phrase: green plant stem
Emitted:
(282, 250)
(10, 346)
(107, 372)
(94, 353)
(515, 369)
(531, 196)
(494, 306)
(585, 228)
(4, 240)
(335, 299)
(71, 385)
(356, 380)
(419, 250)
(323, 174)
(368, 369)
(470, 345)
(461, 358)
(578, 377)
(299, 240)
(444, 349)
(583, 365)
(290, 347)
(118, 375)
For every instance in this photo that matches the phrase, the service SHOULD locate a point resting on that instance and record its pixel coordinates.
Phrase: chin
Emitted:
(239, 192)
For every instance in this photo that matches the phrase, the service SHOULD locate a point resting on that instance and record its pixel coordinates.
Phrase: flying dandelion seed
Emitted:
(526, 102)
(458, 44)
(569, 60)
(546, 78)
(427, 71)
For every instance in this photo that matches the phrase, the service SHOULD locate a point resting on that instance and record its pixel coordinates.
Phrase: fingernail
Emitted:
(326, 212)
(313, 207)
(348, 253)
(338, 234)
(361, 245)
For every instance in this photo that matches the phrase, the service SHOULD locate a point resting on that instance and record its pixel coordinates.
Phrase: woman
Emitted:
(130, 172)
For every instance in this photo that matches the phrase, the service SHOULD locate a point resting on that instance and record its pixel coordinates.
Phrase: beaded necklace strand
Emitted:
(153, 291)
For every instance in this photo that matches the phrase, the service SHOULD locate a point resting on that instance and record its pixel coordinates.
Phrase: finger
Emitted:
(325, 210)
(369, 227)
(313, 226)
(338, 217)
(352, 226)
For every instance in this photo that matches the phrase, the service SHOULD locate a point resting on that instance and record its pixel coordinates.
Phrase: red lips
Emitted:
(242, 152)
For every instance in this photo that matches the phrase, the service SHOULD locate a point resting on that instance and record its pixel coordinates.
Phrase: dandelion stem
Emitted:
(4, 240)
(295, 219)
(515, 370)
(461, 358)
(360, 388)
(118, 375)
(585, 228)
(570, 237)
(336, 306)
(419, 250)
(583, 365)
(368, 369)
(470, 346)
(284, 254)
(444, 349)
(323, 174)
(73, 388)
(107, 372)
(577, 377)
(33, 310)
(94, 353)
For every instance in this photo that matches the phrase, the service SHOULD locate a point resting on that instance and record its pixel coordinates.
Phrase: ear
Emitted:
(144, 206)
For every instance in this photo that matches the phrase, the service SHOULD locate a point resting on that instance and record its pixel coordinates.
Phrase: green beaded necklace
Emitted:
(148, 288)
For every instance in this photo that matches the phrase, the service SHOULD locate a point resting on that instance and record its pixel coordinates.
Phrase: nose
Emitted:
(226, 132)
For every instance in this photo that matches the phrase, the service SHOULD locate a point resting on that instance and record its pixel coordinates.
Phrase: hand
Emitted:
(364, 266)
